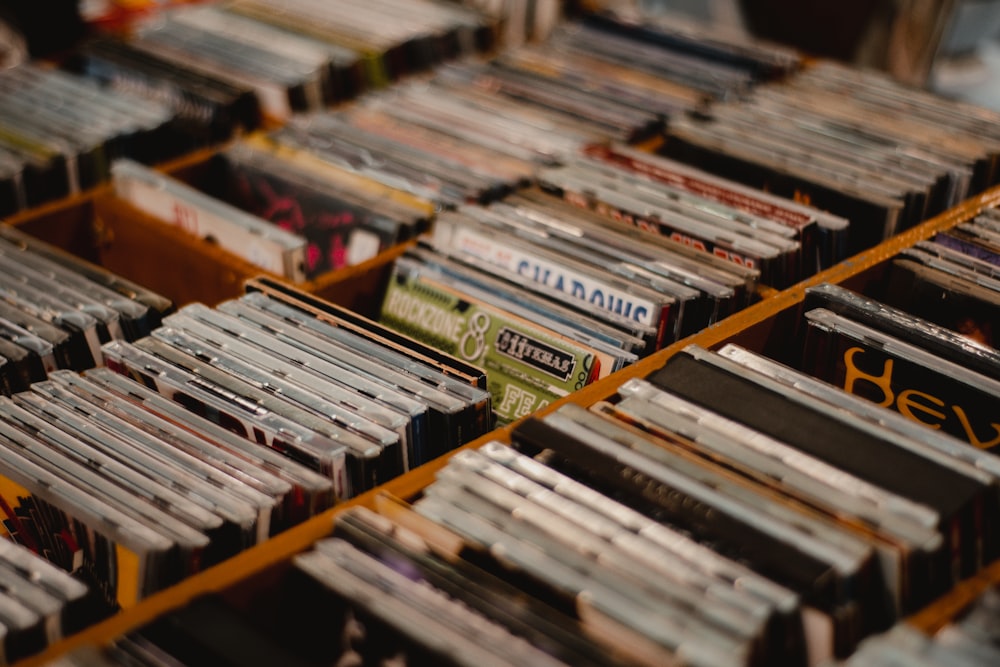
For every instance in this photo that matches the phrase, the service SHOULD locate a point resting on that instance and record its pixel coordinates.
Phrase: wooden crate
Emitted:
(757, 328)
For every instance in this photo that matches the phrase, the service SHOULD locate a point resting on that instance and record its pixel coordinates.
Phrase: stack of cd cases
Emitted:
(921, 340)
(133, 493)
(622, 78)
(226, 67)
(352, 400)
(675, 523)
(730, 62)
(287, 214)
(39, 604)
(57, 310)
(951, 279)
(783, 240)
(548, 298)
(221, 68)
(59, 134)
(853, 143)
(220, 429)
(937, 376)
(134, 486)
(439, 142)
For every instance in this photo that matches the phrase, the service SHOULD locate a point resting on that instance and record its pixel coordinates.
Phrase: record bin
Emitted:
(764, 327)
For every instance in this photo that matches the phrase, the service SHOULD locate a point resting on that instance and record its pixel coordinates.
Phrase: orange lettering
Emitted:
(971, 433)
(906, 405)
(854, 374)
